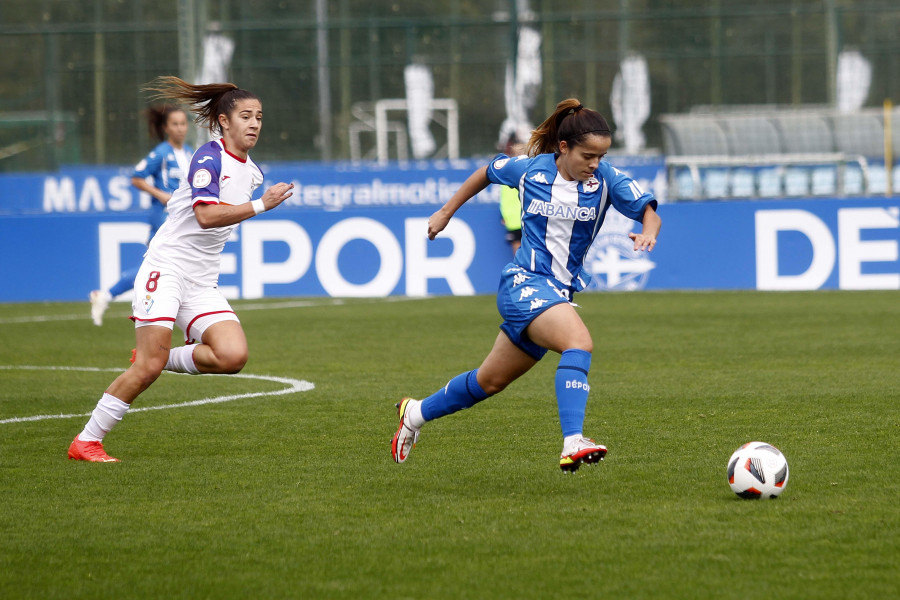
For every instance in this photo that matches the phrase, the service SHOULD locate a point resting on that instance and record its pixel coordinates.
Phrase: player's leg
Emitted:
(224, 348)
(125, 283)
(150, 357)
(511, 356)
(503, 365)
(100, 299)
(559, 328)
(215, 341)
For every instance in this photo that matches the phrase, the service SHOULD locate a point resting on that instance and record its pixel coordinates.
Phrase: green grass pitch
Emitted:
(296, 495)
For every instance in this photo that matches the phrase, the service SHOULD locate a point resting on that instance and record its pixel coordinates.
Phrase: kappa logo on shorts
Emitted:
(559, 292)
(147, 303)
(527, 291)
(537, 303)
(519, 278)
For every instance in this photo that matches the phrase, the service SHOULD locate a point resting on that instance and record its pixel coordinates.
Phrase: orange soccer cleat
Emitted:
(89, 451)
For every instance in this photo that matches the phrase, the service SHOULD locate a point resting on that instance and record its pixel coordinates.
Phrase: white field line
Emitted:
(86, 315)
(293, 386)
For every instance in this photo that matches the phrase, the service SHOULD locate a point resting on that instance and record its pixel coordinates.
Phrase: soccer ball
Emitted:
(757, 470)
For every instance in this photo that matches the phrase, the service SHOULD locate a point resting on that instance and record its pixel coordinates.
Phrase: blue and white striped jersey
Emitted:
(561, 218)
(163, 166)
(167, 166)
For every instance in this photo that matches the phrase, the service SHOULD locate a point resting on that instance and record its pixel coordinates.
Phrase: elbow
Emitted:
(203, 219)
(206, 218)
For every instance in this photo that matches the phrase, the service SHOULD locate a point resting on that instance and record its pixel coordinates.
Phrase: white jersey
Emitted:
(215, 177)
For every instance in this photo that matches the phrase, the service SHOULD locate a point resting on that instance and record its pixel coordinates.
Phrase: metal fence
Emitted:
(71, 72)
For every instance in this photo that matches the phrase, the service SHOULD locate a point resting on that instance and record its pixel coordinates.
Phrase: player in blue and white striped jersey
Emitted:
(565, 191)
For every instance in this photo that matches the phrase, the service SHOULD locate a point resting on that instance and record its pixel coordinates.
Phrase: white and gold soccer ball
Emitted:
(757, 470)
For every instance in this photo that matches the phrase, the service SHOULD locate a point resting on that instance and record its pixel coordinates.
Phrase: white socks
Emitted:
(181, 360)
(109, 411)
(570, 442)
(414, 414)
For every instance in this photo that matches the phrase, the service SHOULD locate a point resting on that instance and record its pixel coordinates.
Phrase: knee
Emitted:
(491, 384)
(147, 371)
(231, 361)
(586, 345)
(582, 342)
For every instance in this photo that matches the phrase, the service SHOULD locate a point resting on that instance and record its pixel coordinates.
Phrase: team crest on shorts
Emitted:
(147, 303)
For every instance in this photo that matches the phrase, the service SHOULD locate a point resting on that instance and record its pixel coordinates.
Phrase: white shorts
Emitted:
(164, 298)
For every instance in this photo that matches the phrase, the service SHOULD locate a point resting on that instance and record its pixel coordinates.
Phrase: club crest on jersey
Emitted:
(147, 303)
(591, 185)
(201, 179)
(559, 211)
(499, 164)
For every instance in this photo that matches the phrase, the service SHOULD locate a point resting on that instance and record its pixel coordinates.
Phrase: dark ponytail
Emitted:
(571, 123)
(157, 117)
(207, 101)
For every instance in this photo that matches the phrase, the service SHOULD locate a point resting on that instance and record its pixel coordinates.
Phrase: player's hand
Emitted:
(436, 223)
(643, 242)
(277, 194)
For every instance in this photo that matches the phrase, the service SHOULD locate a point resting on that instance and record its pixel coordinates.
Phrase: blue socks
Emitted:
(124, 284)
(572, 389)
(461, 392)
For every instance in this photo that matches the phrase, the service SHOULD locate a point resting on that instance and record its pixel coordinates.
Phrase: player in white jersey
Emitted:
(167, 165)
(176, 284)
(565, 191)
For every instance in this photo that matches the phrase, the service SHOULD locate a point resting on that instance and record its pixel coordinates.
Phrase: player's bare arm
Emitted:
(221, 215)
(161, 195)
(650, 226)
(476, 182)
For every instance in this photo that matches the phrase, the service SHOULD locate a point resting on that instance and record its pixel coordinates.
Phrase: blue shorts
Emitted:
(522, 296)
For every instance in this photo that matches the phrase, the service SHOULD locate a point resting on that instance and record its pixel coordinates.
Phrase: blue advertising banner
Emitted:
(325, 186)
(284, 252)
(346, 249)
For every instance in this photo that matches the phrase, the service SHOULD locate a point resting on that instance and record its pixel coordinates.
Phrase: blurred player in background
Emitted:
(166, 165)
(566, 191)
(177, 282)
(510, 204)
